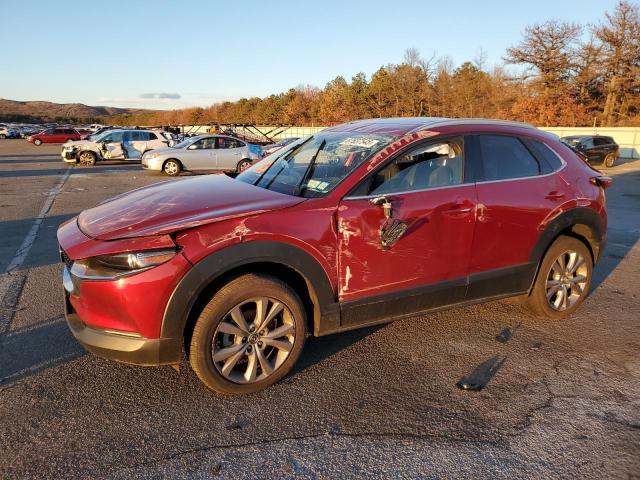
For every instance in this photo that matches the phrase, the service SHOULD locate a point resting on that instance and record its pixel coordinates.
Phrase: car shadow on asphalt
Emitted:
(98, 169)
(317, 349)
(30, 155)
(27, 351)
(19, 161)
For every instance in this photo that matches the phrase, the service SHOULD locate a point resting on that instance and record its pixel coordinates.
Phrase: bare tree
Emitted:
(619, 35)
(548, 49)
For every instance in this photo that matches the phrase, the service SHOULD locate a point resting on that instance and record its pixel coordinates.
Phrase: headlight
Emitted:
(109, 267)
(149, 156)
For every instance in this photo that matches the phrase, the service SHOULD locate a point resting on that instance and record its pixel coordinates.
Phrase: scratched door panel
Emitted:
(434, 248)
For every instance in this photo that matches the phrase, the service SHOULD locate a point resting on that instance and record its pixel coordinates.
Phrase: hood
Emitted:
(165, 150)
(176, 205)
(76, 143)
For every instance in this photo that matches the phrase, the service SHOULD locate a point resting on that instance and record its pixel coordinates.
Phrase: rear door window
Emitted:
(505, 157)
(600, 141)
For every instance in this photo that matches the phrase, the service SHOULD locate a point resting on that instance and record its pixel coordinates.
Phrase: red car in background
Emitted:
(56, 135)
(360, 224)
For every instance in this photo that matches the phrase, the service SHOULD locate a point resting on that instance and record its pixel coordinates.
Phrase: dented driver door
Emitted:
(402, 251)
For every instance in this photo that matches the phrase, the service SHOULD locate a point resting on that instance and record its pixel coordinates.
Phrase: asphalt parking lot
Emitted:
(380, 402)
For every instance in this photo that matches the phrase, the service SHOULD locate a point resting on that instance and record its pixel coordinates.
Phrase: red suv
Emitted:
(55, 135)
(363, 223)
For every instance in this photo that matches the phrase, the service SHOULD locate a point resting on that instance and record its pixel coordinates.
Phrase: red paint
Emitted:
(453, 231)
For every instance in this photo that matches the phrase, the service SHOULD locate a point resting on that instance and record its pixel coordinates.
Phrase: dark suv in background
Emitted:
(595, 148)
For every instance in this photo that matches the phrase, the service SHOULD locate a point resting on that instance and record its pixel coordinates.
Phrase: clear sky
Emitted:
(133, 53)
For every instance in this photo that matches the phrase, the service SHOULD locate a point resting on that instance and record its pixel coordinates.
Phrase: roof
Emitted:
(405, 125)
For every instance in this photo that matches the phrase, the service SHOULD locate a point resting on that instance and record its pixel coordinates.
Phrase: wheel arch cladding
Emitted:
(284, 261)
(582, 223)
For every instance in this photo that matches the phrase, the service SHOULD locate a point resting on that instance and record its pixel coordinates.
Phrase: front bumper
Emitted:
(152, 163)
(120, 319)
(68, 156)
(116, 345)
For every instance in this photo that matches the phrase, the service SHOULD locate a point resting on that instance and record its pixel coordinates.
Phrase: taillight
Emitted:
(601, 181)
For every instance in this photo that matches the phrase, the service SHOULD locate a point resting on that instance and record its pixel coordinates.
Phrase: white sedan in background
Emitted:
(203, 153)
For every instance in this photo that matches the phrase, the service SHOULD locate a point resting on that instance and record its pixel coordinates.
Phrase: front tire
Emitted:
(2, 136)
(172, 168)
(563, 280)
(248, 336)
(87, 159)
(609, 160)
(37, 142)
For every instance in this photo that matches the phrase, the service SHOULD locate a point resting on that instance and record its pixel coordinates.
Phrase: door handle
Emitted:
(385, 203)
(460, 208)
(555, 195)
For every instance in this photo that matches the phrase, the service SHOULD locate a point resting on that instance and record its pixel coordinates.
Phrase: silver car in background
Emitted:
(203, 153)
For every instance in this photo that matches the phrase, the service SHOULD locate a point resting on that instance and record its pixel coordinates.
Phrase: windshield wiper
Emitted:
(301, 188)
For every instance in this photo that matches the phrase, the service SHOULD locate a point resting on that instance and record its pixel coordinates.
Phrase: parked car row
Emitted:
(157, 150)
(8, 132)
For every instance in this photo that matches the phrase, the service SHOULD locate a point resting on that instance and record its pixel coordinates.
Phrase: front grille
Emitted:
(65, 259)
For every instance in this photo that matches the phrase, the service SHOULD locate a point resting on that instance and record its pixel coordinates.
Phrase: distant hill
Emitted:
(41, 112)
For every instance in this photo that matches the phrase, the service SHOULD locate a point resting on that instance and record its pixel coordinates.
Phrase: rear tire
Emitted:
(172, 168)
(563, 279)
(37, 142)
(243, 165)
(234, 348)
(609, 160)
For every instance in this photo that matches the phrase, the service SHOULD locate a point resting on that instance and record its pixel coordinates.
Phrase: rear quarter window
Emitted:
(505, 157)
(549, 160)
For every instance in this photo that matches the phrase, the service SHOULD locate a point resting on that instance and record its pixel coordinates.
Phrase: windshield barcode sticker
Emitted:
(364, 142)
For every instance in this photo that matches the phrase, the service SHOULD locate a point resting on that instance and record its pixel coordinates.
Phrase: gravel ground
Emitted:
(380, 402)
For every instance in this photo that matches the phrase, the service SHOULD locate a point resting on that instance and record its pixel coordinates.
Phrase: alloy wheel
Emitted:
(609, 161)
(171, 168)
(566, 280)
(86, 158)
(253, 340)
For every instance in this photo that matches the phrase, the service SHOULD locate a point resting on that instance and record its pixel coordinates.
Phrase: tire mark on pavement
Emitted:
(12, 279)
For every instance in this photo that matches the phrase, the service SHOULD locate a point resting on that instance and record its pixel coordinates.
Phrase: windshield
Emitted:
(185, 143)
(313, 166)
